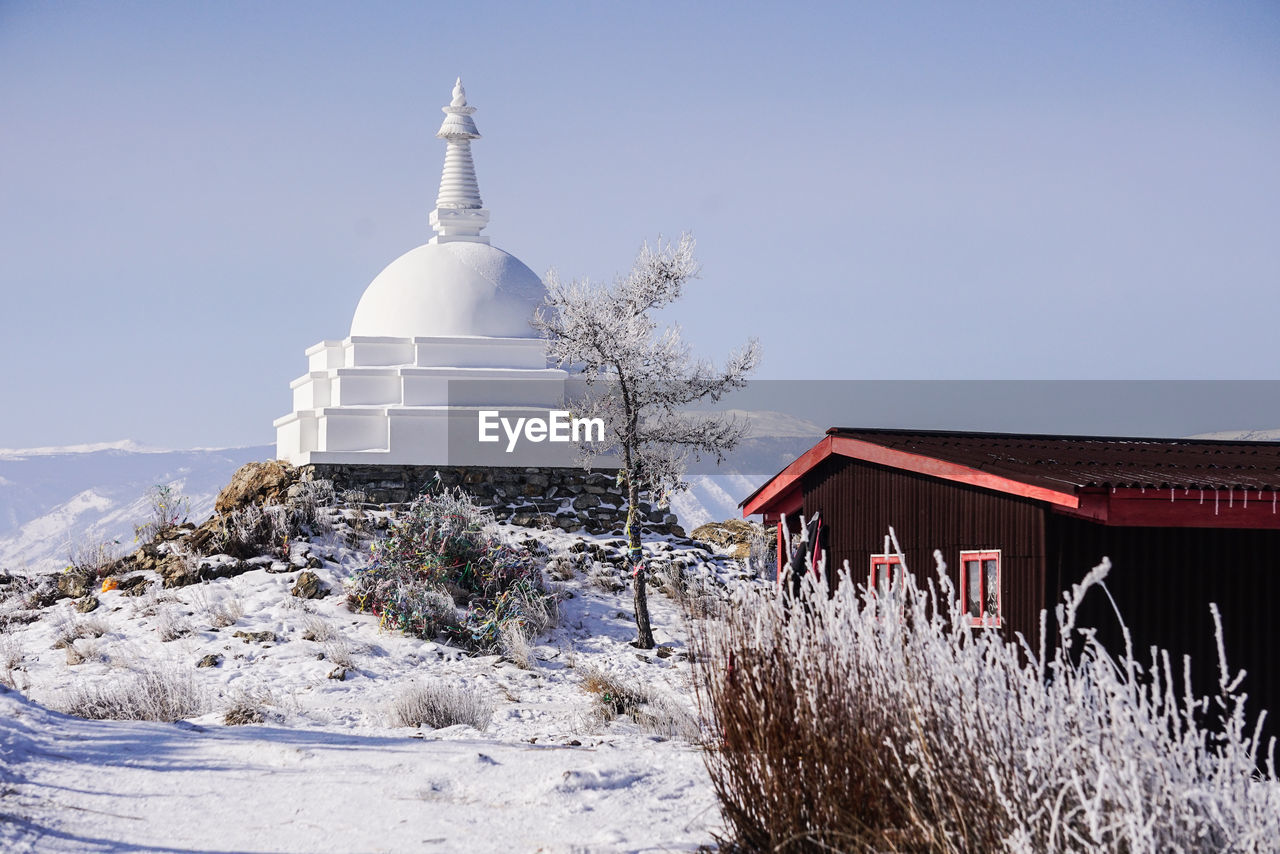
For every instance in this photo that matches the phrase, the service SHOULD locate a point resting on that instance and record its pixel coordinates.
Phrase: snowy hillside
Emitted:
(54, 500)
(547, 762)
(713, 498)
(773, 440)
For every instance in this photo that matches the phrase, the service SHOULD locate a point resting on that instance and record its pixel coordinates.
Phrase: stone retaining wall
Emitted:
(568, 498)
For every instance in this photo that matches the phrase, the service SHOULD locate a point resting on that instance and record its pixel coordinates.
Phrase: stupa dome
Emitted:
(438, 337)
(454, 288)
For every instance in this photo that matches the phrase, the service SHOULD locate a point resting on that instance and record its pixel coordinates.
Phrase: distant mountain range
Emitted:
(56, 500)
(1242, 435)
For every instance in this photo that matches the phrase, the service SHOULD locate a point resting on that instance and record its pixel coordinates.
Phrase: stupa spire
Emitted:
(459, 213)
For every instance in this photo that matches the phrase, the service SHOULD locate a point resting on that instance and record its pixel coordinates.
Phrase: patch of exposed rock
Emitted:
(75, 584)
(308, 586)
(256, 483)
(256, 637)
(734, 536)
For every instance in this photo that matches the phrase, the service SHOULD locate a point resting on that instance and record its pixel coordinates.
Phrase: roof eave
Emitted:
(780, 485)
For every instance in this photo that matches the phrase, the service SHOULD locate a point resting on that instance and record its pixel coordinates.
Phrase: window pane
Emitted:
(882, 578)
(991, 580)
(973, 581)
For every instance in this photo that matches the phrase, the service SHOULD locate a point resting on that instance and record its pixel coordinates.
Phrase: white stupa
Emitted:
(440, 334)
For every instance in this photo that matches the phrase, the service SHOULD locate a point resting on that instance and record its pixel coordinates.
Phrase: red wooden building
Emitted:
(1019, 518)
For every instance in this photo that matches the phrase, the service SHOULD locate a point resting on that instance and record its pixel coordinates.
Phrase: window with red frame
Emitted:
(886, 574)
(980, 586)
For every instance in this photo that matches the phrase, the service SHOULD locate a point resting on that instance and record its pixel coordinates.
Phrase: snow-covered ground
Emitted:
(327, 769)
(140, 786)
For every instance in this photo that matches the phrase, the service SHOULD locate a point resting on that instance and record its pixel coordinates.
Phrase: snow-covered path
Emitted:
(76, 785)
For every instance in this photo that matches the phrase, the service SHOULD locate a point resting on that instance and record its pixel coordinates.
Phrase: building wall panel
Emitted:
(1162, 581)
(860, 500)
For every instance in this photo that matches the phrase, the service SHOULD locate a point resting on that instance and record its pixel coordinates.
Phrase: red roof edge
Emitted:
(766, 498)
(777, 489)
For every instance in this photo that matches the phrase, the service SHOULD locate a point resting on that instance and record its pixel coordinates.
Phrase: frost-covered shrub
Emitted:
(353, 520)
(251, 530)
(437, 705)
(535, 611)
(846, 726)
(445, 549)
(762, 551)
(311, 507)
(94, 558)
(514, 645)
(605, 576)
(153, 694)
(21, 593)
(445, 538)
(318, 629)
(86, 649)
(560, 568)
(167, 508)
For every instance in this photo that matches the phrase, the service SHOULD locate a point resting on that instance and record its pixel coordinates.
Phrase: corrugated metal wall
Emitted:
(859, 501)
(1163, 580)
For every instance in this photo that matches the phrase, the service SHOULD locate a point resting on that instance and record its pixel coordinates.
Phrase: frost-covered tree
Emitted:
(640, 378)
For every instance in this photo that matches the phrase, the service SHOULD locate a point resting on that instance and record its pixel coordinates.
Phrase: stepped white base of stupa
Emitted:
(417, 401)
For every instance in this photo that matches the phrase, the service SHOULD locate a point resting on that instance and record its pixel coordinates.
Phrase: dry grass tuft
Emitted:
(539, 613)
(437, 705)
(153, 694)
(241, 714)
(12, 653)
(513, 643)
(843, 725)
(246, 707)
(221, 611)
(318, 629)
(67, 629)
(338, 650)
(651, 711)
(94, 558)
(171, 624)
(560, 569)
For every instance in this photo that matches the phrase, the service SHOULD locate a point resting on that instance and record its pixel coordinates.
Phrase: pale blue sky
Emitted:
(193, 193)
